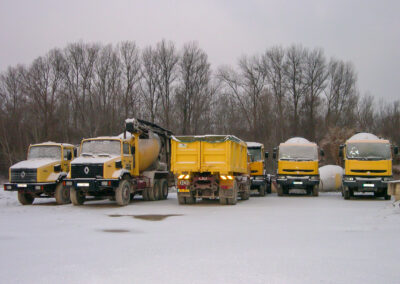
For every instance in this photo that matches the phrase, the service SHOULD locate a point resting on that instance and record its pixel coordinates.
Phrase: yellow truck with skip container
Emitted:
(41, 175)
(298, 168)
(119, 167)
(210, 167)
(260, 180)
(367, 165)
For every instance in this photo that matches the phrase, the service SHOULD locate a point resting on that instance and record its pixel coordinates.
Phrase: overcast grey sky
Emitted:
(364, 32)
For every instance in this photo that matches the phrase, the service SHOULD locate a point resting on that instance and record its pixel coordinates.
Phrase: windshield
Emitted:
(298, 153)
(42, 152)
(368, 151)
(101, 147)
(255, 154)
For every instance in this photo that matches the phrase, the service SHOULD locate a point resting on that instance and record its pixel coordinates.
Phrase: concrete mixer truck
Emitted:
(118, 167)
(297, 166)
(367, 165)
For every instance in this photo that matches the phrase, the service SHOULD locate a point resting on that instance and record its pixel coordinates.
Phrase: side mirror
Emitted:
(341, 147)
(133, 150)
(396, 150)
(75, 152)
(69, 156)
(274, 153)
(266, 155)
(322, 153)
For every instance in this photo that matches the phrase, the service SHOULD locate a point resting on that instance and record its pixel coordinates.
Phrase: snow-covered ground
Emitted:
(295, 239)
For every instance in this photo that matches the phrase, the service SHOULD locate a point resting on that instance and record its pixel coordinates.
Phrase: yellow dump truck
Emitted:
(41, 175)
(367, 165)
(297, 166)
(260, 181)
(117, 168)
(210, 167)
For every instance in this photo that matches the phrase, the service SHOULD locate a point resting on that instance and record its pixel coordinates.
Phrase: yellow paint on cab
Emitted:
(361, 168)
(298, 168)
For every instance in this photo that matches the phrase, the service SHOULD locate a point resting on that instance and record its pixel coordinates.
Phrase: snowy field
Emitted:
(271, 239)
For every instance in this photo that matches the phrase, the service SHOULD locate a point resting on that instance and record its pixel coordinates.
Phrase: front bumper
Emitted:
(297, 181)
(365, 184)
(92, 184)
(48, 187)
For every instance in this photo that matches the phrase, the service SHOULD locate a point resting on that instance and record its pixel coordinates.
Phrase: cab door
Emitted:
(127, 158)
(68, 154)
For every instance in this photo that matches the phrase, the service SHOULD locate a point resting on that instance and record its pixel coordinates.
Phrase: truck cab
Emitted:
(42, 173)
(118, 167)
(297, 160)
(367, 165)
(260, 181)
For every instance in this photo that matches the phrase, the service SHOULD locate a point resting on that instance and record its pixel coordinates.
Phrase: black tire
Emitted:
(190, 200)
(315, 190)
(77, 196)
(244, 195)
(346, 193)
(145, 194)
(223, 201)
(164, 189)
(262, 190)
(123, 192)
(181, 199)
(25, 198)
(387, 196)
(233, 200)
(62, 194)
(155, 190)
(269, 190)
(279, 190)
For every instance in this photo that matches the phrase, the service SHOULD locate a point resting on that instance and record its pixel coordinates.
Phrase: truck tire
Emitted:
(315, 190)
(279, 190)
(62, 194)
(233, 200)
(269, 188)
(25, 198)
(181, 199)
(244, 195)
(123, 192)
(262, 190)
(155, 190)
(387, 196)
(223, 201)
(346, 192)
(145, 194)
(77, 196)
(164, 189)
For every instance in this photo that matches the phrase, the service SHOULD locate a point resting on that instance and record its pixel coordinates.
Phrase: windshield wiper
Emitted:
(87, 154)
(103, 155)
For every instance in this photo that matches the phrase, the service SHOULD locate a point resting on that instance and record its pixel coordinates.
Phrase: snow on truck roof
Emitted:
(53, 143)
(366, 137)
(254, 144)
(300, 141)
(207, 138)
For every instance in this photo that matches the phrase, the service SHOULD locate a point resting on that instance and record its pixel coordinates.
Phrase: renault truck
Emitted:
(120, 167)
(42, 174)
(260, 181)
(367, 165)
(297, 160)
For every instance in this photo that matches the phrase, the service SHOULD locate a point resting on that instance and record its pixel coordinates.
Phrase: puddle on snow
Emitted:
(148, 217)
(115, 231)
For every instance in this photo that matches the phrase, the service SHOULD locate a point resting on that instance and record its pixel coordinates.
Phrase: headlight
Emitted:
(69, 183)
(9, 187)
(37, 187)
(315, 177)
(387, 179)
(104, 183)
(349, 178)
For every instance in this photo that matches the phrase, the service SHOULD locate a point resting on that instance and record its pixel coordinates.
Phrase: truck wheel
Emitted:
(279, 190)
(346, 192)
(387, 196)
(145, 194)
(233, 200)
(181, 199)
(123, 192)
(164, 189)
(315, 191)
(190, 200)
(62, 194)
(262, 190)
(244, 195)
(269, 188)
(223, 201)
(154, 192)
(25, 198)
(77, 196)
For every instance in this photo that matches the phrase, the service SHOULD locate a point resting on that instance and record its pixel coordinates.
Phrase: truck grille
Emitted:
(23, 175)
(87, 171)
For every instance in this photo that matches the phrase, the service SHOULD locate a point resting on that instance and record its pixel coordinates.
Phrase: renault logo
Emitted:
(86, 170)
(23, 174)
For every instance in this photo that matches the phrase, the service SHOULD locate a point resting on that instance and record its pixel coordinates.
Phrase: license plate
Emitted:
(83, 184)
(22, 185)
(183, 190)
(297, 182)
(368, 185)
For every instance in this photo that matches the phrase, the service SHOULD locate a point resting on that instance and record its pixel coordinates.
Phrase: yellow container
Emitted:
(215, 154)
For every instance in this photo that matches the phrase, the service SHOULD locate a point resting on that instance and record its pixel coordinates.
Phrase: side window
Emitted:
(67, 154)
(126, 148)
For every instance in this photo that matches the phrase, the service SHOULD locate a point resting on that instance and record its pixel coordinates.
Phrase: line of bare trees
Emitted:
(87, 90)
